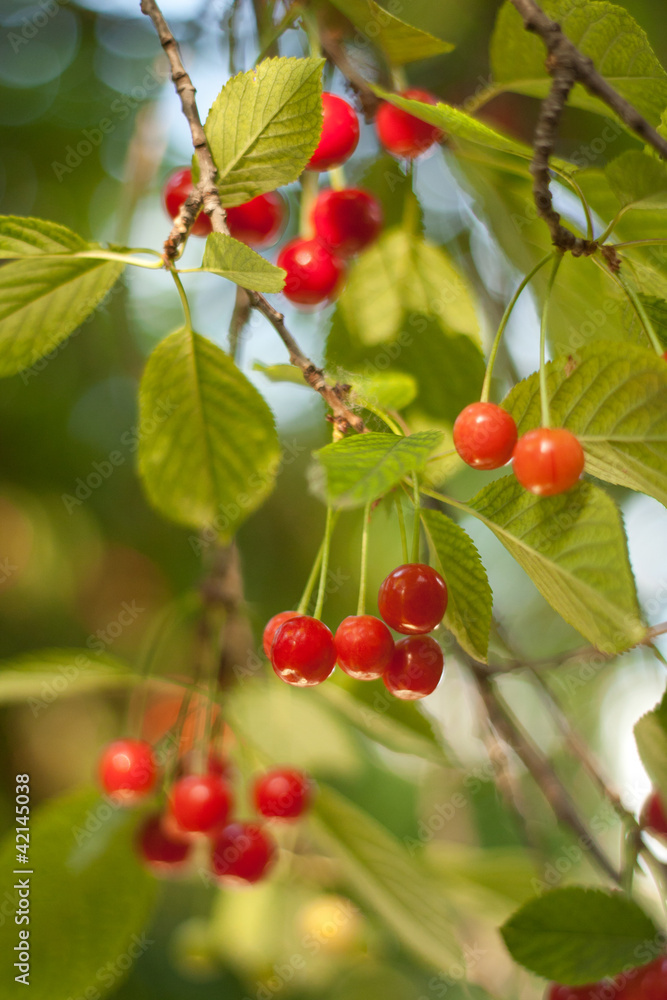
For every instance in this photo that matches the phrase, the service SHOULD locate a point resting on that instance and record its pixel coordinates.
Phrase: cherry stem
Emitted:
(309, 188)
(416, 536)
(544, 398)
(184, 301)
(310, 584)
(326, 546)
(486, 385)
(361, 604)
(337, 178)
(401, 527)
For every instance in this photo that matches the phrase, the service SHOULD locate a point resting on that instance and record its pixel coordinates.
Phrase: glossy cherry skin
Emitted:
(348, 220)
(314, 274)
(548, 461)
(485, 435)
(272, 627)
(654, 815)
(283, 793)
(413, 599)
(243, 852)
(415, 669)
(303, 651)
(652, 982)
(176, 189)
(340, 134)
(258, 222)
(160, 852)
(401, 133)
(364, 647)
(200, 803)
(128, 770)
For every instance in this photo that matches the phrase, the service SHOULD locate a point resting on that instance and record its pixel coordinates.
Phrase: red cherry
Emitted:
(258, 222)
(415, 669)
(485, 435)
(401, 133)
(413, 599)
(160, 852)
(652, 982)
(303, 651)
(283, 793)
(364, 647)
(654, 816)
(314, 274)
(340, 134)
(272, 627)
(548, 461)
(128, 770)
(589, 992)
(664, 356)
(243, 851)
(176, 189)
(200, 802)
(348, 220)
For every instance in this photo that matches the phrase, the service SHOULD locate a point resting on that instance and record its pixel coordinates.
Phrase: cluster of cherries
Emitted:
(412, 600)
(199, 807)
(344, 222)
(546, 460)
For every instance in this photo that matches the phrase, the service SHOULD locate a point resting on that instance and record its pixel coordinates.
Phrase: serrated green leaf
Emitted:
(639, 181)
(577, 936)
(238, 263)
(264, 126)
(407, 897)
(657, 313)
(385, 390)
(90, 899)
(401, 42)
(612, 396)
(208, 450)
(25, 236)
(651, 737)
(573, 547)
(470, 603)
(362, 468)
(604, 32)
(39, 678)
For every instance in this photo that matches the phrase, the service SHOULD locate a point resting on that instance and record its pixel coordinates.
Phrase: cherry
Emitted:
(413, 599)
(485, 435)
(401, 133)
(258, 222)
(200, 802)
(589, 992)
(176, 189)
(548, 461)
(303, 651)
(158, 849)
(654, 816)
(340, 134)
(415, 668)
(364, 647)
(314, 273)
(243, 851)
(348, 220)
(283, 793)
(272, 627)
(128, 770)
(652, 983)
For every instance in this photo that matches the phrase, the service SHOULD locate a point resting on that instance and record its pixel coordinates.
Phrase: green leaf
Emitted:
(612, 396)
(405, 895)
(606, 33)
(24, 236)
(41, 677)
(573, 547)
(264, 126)
(363, 468)
(385, 390)
(208, 450)
(90, 899)
(470, 603)
(577, 936)
(639, 181)
(657, 313)
(238, 263)
(280, 373)
(401, 43)
(651, 737)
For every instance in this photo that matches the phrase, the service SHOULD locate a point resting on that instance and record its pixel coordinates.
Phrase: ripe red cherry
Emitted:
(272, 627)
(314, 273)
(364, 647)
(415, 668)
(401, 133)
(176, 189)
(128, 770)
(413, 599)
(303, 651)
(160, 852)
(258, 222)
(283, 793)
(485, 435)
(200, 802)
(340, 134)
(652, 981)
(654, 816)
(243, 852)
(348, 220)
(589, 992)
(548, 461)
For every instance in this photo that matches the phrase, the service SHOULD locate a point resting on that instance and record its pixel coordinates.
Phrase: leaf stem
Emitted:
(184, 300)
(401, 527)
(544, 398)
(361, 604)
(326, 546)
(416, 529)
(644, 318)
